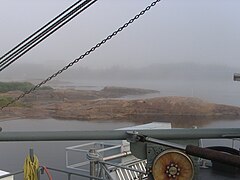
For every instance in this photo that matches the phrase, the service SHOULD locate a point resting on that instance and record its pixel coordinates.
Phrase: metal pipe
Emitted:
(120, 134)
(72, 173)
(222, 157)
(93, 171)
(116, 156)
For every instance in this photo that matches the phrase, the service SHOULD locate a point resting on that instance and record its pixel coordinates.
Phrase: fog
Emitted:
(188, 48)
(213, 83)
(173, 31)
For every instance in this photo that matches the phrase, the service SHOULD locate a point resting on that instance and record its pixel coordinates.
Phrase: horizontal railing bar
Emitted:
(79, 146)
(109, 148)
(56, 170)
(79, 164)
(120, 134)
(77, 150)
(72, 173)
(79, 169)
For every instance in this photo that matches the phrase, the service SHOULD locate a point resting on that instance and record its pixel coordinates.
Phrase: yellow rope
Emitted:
(31, 168)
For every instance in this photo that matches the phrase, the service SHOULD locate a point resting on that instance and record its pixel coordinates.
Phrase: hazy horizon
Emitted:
(213, 83)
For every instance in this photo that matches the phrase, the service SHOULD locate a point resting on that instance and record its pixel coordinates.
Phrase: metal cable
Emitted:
(84, 55)
(43, 35)
(39, 30)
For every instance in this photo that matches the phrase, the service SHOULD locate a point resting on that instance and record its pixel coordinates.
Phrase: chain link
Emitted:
(83, 55)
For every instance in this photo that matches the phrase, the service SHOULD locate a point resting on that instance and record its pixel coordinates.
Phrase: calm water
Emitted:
(222, 92)
(53, 153)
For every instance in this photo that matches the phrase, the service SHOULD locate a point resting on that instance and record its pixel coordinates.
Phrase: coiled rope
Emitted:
(31, 168)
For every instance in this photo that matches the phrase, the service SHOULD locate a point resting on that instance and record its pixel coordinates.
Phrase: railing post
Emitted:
(69, 176)
(92, 153)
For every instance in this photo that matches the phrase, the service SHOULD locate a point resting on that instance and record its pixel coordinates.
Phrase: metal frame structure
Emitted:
(104, 167)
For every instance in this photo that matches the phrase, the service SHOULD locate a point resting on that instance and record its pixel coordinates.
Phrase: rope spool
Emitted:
(172, 164)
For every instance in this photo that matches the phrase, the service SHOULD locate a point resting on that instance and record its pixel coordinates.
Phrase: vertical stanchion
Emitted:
(92, 153)
(69, 176)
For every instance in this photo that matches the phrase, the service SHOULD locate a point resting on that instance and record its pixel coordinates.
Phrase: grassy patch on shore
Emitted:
(18, 86)
(4, 100)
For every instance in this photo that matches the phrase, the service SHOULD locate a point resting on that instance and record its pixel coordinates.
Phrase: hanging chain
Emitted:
(84, 55)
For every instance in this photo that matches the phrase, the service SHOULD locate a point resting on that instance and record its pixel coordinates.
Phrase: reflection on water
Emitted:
(188, 121)
(59, 125)
(224, 124)
(204, 123)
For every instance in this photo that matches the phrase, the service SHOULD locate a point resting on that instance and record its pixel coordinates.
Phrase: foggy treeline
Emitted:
(177, 71)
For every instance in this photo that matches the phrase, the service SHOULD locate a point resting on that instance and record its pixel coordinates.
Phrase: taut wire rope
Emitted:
(41, 34)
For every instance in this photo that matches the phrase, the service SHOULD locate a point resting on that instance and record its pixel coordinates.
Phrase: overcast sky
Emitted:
(200, 31)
